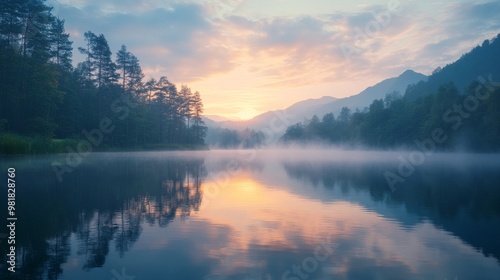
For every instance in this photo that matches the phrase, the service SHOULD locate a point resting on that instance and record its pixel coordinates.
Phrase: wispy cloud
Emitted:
(273, 47)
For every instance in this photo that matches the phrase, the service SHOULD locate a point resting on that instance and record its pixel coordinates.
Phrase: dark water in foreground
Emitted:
(269, 215)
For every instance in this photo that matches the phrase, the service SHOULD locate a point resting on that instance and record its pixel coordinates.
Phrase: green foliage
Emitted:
(481, 60)
(16, 144)
(230, 139)
(43, 97)
(400, 122)
(468, 121)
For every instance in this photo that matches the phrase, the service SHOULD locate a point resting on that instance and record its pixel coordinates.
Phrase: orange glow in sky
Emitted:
(249, 57)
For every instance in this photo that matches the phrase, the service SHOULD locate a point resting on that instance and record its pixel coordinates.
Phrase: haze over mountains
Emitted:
(392, 113)
(460, 102)
(366, 97)
(307, 108)
(480, 63)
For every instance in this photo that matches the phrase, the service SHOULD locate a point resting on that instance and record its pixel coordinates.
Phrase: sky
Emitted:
(247, 57)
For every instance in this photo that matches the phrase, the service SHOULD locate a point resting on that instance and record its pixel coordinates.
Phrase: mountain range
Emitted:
(306, 109)
(480, 64)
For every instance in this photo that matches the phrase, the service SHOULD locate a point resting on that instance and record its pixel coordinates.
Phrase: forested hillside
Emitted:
(460, 119)
(44, 99)
(482, 60)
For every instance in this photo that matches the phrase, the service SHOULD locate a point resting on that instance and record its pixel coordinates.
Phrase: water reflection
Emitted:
(227, 216)
(464, 200)
(103, 203)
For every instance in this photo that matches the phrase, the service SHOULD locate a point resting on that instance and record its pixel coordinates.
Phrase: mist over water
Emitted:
(277, 213)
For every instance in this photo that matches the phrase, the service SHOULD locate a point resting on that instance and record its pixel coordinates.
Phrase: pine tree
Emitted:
(199, 128)
(99, 67)
(36, 20)
(61, 46)
(11, 22)
(87, 68)
(131, 72)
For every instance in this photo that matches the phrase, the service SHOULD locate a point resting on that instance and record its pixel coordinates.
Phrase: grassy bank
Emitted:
(13, 144)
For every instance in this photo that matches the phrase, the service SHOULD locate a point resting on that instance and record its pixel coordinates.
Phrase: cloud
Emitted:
(273, 52)
(482, 11)
(186, 40)
(180, 39)
(297, 51)
(475, 18)
(114, 6)
(444, 37)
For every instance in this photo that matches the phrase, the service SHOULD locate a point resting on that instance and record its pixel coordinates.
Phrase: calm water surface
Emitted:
(265, 215)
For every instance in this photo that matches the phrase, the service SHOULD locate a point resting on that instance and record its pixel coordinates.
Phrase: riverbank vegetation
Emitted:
(47, 103)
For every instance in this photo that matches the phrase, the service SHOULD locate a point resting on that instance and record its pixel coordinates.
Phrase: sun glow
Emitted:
(247, 114)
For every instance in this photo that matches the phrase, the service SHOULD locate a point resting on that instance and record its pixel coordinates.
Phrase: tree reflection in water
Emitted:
(461, 199)
(107, 208)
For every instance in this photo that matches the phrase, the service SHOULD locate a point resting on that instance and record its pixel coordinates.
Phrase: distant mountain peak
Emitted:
(305, 109)
(410, 73)
(327, 97)
(366, 97)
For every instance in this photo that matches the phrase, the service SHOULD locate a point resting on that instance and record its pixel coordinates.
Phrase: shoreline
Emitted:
(19, 145)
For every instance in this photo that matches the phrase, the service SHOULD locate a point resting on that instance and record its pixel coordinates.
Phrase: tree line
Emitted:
(226, 138)
(44, 97)
(466, 116)
(464, 122)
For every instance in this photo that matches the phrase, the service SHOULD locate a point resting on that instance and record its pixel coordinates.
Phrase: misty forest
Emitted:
(45, 100)
(112, 170)
(47, 103)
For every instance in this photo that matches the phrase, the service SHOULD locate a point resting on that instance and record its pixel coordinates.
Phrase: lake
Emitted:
(267, 214)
